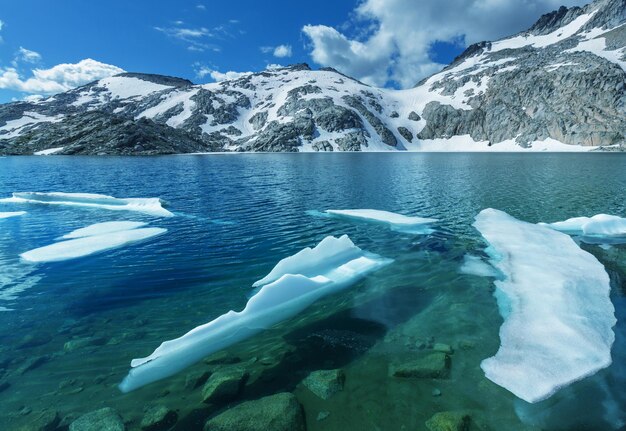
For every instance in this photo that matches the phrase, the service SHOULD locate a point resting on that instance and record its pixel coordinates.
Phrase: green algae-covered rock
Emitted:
(280, 412)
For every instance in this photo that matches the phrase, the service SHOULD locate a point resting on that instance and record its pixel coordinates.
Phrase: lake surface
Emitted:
(235, 217)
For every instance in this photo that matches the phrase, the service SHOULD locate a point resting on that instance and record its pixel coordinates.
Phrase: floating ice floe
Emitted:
(596, 229)
(103, 228)
(294, 284)
(397, 222)
(474, 265)
(11, 214)
(554, 299)
(151, 206)
(92, 239)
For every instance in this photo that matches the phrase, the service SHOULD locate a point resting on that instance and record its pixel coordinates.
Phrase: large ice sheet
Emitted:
(333, 265)
(151, 206)
(399, 222)
(11, 214)
(85, 246)
(103, 228)
(554, 299)
(599, 226)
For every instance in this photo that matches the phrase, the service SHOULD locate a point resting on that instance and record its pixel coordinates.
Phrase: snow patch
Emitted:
(544, 40)
(49, 151)
(558, 317)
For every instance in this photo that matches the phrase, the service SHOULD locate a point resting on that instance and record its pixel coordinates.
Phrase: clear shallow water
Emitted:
(236, 216)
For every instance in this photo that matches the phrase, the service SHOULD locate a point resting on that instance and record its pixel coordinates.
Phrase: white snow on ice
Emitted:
(398, 222)
(295, 283)
(151, 206)
(103, 228)
(87, 245)
(11, 214)
(599, 226)
(554, 299)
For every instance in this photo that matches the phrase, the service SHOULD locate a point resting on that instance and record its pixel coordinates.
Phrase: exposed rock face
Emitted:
(564, 80)
(280, 412)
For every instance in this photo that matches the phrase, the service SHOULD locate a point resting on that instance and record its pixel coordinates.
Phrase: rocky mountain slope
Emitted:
(560, 86)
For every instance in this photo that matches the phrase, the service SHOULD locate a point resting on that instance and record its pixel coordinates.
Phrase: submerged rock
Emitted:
(280, 412)
(47, 420)
(105, 419)
(224, 385)
(79, 343)
(432, 366)
(449, 421)
(158, 418)
(443, 348)
(325, 383)
(32, 363)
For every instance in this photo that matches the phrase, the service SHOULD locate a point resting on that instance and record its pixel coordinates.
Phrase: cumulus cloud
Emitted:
(282, 51)
(279, 51)
(61, 77)
(396, 47)
(217, 76)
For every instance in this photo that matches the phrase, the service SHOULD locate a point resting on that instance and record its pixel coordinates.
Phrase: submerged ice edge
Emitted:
(150, 206)
(558, 316)
(395, 221)
(275, 302)
(11, 214)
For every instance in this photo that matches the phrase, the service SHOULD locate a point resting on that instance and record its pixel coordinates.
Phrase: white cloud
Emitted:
(201, 7)
(217, 76)
(27, 56)
(1, 25)
(282, 51)
(61, 77)
(399, 34)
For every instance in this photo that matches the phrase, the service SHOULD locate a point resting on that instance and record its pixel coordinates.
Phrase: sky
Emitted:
(51, 46)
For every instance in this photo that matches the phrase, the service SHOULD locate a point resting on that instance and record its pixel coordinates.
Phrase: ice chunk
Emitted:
(398, 222)
(151, 206)
(474, 265)
(599, 226)
(103, 228)
(85, 246)
(554, 298)
(11, 214)
(329, 252)
(333, 265)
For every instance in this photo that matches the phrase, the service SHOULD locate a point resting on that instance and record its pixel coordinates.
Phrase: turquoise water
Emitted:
(236, 216)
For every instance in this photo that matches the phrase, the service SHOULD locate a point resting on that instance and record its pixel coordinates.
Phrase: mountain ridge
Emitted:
(560, 85)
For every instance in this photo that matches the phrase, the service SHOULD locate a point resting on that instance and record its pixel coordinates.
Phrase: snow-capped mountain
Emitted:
(560, 86)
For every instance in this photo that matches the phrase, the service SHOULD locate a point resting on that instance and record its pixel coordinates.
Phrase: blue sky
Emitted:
(383, 42)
